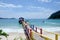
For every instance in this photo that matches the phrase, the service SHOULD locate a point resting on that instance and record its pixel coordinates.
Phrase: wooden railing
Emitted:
(41, 31)
(56, 34)
(30, 32)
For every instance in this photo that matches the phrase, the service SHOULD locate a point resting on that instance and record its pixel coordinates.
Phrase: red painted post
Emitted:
(40, 30)
(36, 29)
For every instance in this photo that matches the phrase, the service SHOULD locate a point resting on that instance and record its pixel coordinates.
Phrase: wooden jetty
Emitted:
(32, 33)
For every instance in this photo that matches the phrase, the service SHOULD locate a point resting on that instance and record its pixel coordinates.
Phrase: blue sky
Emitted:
(28, 8)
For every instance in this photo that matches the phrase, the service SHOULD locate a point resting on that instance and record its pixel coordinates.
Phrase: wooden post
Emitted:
(33, 27)
(40, 30)
(36, 29)
(30, 26)
(46, 39)
(56, 36)
(26, 27)
(30, 32)
(31, 35)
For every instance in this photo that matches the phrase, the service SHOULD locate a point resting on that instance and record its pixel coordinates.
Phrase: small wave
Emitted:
(52, 29)
(50, 22)
(8, 30)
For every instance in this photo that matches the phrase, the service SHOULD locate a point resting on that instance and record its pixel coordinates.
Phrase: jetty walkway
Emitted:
(34, 33)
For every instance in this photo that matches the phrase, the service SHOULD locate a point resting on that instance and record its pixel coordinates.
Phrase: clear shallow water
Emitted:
(12, 25)
(45, 22)
(9, 23)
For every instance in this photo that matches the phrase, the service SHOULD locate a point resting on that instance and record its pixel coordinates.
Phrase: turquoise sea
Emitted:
(12, 25)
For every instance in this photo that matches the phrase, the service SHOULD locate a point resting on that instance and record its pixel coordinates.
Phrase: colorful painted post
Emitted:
(33, 27)
(56, 36)
(31, 35)
(36, 29)
(40, 30)
(46, 39)
(26, 26)
(30, 26)
(30, 32)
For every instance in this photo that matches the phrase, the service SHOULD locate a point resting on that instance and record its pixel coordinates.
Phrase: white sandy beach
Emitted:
(18, 35)
(14, 36)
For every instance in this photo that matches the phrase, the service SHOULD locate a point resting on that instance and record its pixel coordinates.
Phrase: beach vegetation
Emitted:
(3, 34)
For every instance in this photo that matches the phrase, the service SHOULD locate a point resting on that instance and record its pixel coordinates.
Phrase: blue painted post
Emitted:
(36, 29)
(30, 26)
(33, 27)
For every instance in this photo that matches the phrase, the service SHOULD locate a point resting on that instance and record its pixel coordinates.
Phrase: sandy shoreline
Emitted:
(14, 35)
(19, 35)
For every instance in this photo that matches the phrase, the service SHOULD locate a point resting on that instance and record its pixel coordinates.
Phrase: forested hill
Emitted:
(55, 15)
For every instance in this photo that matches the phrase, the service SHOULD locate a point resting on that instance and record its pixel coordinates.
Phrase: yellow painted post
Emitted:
(31, 35)
(56, 36)
(30, 32)
(46, 39)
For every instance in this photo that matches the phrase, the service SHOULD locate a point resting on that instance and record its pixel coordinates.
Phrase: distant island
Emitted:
(7, 18)
(55, 15)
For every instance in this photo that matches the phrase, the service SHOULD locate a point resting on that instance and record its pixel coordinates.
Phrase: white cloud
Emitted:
(38, 8)
(37, 11)
(10, 5)
(44, 0)
(34, 7)
(32, 12)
